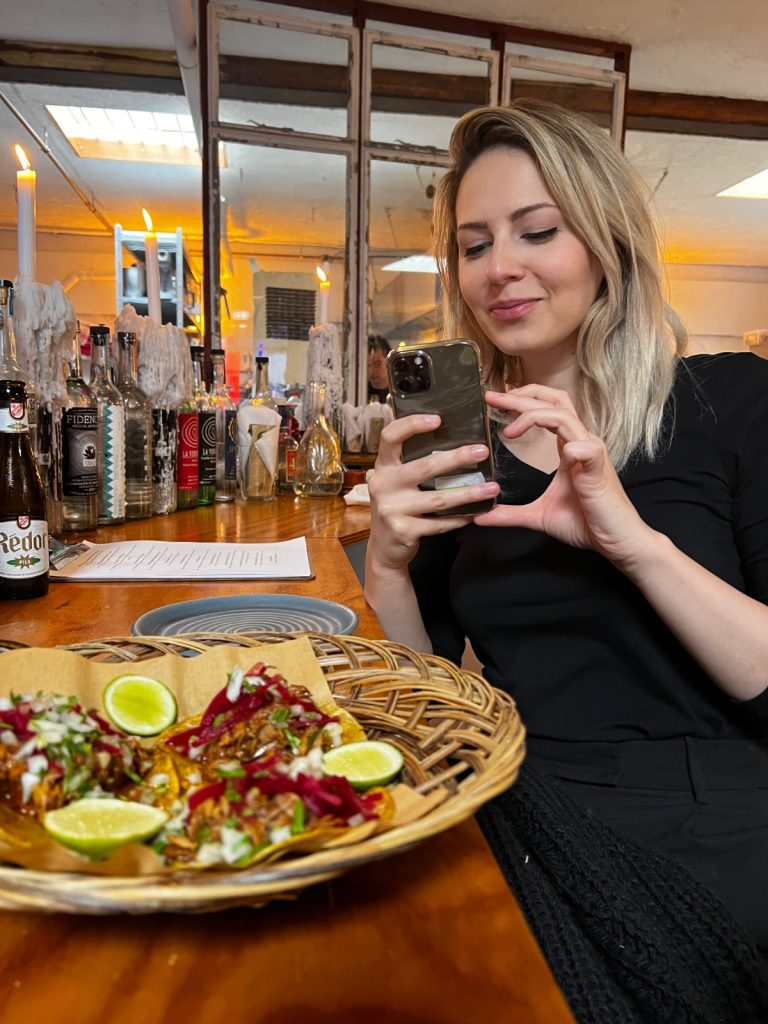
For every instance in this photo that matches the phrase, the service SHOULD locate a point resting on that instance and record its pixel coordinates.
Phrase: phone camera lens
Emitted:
(401, 364)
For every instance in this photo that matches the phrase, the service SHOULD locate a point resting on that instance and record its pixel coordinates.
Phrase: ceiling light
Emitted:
(137, 135)
(755, 187)
(420, 263)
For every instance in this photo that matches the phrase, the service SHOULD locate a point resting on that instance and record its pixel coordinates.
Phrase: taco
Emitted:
(257, 713)
(52, 751)
(265, 808)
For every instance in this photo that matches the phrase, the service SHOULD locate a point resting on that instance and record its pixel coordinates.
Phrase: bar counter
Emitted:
(428, 936)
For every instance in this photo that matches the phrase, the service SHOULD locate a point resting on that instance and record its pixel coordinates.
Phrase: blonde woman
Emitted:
(618, 589)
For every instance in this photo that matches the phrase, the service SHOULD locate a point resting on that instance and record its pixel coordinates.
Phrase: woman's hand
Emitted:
(585, 505)
(401, 513)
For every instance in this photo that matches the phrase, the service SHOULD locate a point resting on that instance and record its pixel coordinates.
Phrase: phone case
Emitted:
(454, 391)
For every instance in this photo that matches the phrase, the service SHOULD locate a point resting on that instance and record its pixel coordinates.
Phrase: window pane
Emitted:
(280, 78)
(416, 96)
(283, 211)
(402, 293)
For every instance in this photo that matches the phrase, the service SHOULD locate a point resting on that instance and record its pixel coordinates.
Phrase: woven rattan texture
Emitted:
(455, 731)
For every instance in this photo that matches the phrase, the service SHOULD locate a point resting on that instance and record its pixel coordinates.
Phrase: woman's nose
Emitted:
(504, 263)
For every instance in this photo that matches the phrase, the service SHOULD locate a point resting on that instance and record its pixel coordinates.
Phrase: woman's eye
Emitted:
(474, 250)
(540, 236)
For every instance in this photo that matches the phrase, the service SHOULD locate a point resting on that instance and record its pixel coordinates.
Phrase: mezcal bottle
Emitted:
(79, 446)
(138, 430)
(226, 431)
(111, 437)
(206, 426)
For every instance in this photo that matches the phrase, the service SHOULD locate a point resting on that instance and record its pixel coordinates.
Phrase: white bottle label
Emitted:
(14, 419)
(113, 483)
(23, 548)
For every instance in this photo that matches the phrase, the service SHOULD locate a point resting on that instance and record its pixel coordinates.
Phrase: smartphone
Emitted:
(443, 377)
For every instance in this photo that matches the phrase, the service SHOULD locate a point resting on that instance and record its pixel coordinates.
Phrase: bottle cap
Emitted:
(125, 339)
(99, 334)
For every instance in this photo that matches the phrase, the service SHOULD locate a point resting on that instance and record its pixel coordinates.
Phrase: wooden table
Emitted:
(429, 936)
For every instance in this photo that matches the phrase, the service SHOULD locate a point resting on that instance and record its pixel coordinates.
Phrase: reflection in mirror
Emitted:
(278, 78)
(283, 214)
(100, 173)
(402, 283)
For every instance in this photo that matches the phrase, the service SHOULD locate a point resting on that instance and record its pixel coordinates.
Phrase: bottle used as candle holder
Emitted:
(319, 471)
(10, 367)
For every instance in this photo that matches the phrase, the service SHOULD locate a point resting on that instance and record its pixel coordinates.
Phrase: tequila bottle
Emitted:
(206, 426)
(111, 437)
(79, 445)
(138, 430)
(319, 472)
(226, 431)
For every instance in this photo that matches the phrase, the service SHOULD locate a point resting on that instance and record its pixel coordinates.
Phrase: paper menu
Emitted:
(182, 560)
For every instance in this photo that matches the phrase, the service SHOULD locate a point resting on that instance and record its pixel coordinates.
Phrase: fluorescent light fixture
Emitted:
(755, 187)
(420, 263)
(100, 133)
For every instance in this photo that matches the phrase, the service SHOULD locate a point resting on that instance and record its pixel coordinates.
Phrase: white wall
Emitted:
(718, 304)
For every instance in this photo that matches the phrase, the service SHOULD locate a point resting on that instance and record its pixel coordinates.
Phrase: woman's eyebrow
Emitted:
(479, 225)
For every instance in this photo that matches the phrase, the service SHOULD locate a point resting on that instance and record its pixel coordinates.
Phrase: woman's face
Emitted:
(525, 275)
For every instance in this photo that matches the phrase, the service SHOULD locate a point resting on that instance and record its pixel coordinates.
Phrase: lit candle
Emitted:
(25, 206)
(152, 268)
(325, 287)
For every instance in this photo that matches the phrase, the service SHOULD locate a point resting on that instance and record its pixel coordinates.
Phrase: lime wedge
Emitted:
(139, 705)
(364, 764)
(97, 827)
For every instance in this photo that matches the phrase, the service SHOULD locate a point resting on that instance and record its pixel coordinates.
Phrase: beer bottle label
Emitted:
(79, 440)
(207, 448)
(187, 467)
(14, 419)
(113, 484)
(23, 548)
(230, 445)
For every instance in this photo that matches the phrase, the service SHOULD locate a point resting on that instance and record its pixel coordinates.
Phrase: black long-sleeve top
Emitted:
(567, 634)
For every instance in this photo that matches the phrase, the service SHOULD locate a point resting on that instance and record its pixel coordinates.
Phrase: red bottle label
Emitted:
(188, 474)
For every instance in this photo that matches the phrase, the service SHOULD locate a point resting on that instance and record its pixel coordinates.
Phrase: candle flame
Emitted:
(147, 218)
(321, 275)
(22, 158)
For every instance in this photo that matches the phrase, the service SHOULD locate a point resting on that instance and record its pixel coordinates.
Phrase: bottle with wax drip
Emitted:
(206, 430)
(258, 424)
(79, 447)
(138, 430)
(111, 444)
(319, 472)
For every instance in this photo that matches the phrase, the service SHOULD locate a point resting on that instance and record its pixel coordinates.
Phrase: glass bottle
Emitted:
(319, 472)
(138, 430)
(79, 445)
(10, 367)
(111, 445)
(286, 453)
(258, 424)
(187, 469)
(226, 431)
(206, 426)
(23, 528)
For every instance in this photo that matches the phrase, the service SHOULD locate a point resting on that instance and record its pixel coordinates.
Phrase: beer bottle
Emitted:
(23, 529)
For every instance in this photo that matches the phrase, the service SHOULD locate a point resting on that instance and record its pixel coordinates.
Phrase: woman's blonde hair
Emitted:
(630, 340)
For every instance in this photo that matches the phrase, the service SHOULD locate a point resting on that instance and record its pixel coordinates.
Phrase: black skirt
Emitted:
(630, 934)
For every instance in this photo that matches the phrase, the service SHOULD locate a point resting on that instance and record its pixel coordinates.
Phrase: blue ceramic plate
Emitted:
(247, 613)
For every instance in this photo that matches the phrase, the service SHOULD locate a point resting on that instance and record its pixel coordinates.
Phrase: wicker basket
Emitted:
(454, 729)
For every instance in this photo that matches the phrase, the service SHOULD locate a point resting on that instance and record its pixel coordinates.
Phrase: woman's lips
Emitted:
(513, 310)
